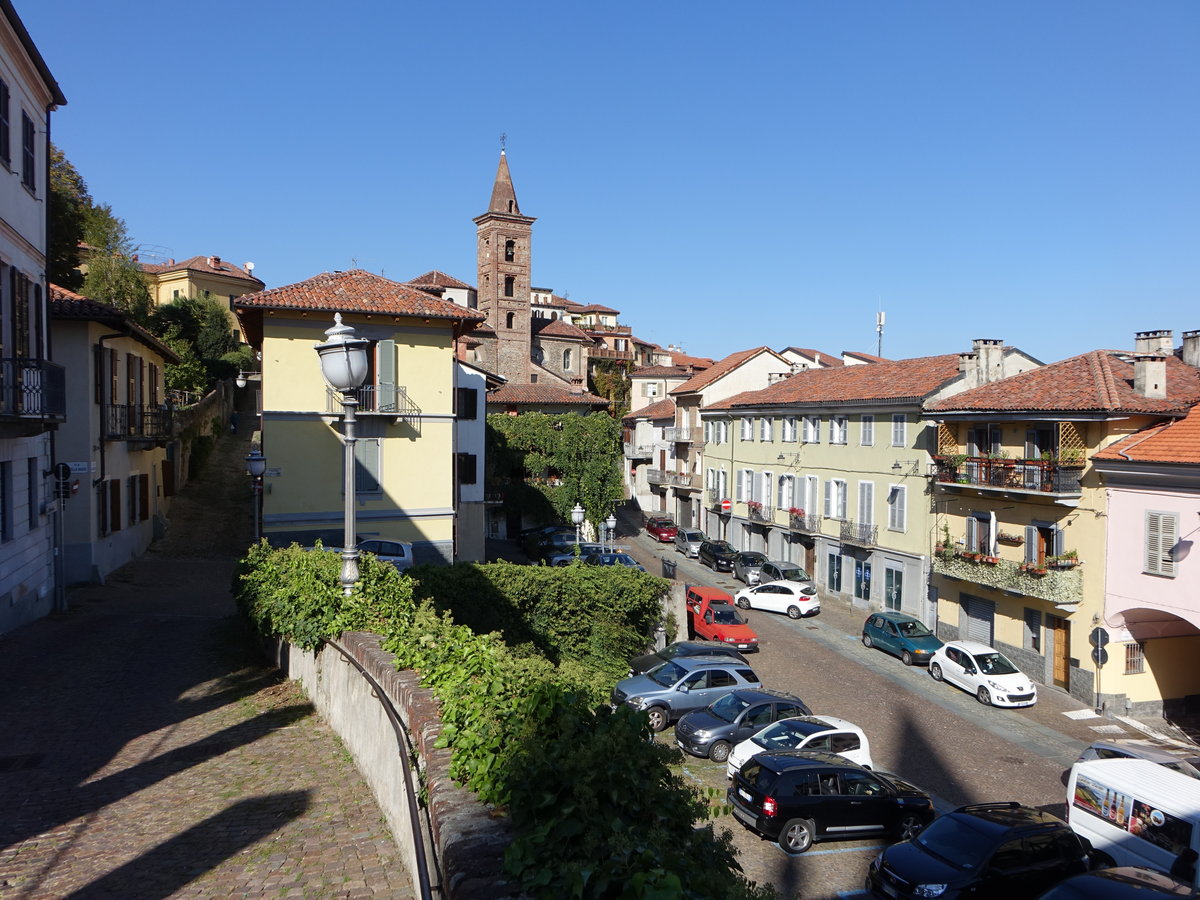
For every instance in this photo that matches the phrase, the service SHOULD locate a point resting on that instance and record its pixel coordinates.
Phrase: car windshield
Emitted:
(786, 735)
(913, 629)
(793, 573)
(728, 708)
(995, 664)
(720, 547)
(952, 840)
(727, 616)
(666, 674)
(751, 559)
(694, 536)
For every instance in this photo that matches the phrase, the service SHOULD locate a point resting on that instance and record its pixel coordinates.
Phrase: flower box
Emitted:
(1012, 540)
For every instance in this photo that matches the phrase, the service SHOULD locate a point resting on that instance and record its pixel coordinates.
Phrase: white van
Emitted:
(1134, 812)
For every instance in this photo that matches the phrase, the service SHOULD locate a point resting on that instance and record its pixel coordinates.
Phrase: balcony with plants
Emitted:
(799, 520)
(1057, 580)
(1057, 474)
(757, 511)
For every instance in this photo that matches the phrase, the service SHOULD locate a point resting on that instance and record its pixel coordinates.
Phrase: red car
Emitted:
(661, 529)
(713, 617)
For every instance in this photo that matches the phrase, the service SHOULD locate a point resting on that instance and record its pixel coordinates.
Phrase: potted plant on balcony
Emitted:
(991, 560)
(1012, 540)
(754, 506)
(1067, 560)
(1035, 569)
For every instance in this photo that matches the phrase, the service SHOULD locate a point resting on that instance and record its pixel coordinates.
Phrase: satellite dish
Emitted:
(250, 267)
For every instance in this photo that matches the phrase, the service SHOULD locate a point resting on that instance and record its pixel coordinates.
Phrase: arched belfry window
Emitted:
(510, 206)
(509, 284)
(508, 320)
(510, 251)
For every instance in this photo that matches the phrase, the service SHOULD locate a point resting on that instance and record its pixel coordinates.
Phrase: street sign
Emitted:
(1099, 656)
(726, 506)
(1099, 637)
(62, 471)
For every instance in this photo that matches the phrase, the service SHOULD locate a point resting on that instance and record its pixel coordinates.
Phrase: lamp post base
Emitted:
(349, 570)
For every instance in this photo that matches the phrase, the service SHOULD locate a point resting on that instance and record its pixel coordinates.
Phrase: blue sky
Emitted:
(725, 175)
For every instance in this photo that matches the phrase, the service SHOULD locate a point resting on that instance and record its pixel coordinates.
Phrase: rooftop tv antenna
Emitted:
(879, 318)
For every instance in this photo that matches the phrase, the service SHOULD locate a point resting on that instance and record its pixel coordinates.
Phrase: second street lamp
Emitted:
(611, 522)
(256, 465)
(344, 365)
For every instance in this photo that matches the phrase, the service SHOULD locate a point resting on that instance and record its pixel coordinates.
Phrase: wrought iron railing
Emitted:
(682, 435)
(137, 422)
(638, 451)
(658, 476)
(1052, 476)
(376, 399)
(32, 388)
(806, 522)
(715, 499)
(761, 513)
(859, 533)
(684, 480)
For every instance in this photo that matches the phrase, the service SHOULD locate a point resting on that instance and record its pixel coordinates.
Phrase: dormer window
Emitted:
(509, 285)
(510, 251)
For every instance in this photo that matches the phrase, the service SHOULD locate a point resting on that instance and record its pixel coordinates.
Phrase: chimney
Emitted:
(214, 261)
(1151, 342)
(968, 367)
(1150, 375)
(989, 359)
(1191, 348)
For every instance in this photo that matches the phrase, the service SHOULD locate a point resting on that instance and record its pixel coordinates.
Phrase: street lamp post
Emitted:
(344, 366)
(577, 520)
(611, 522)
(256, 465)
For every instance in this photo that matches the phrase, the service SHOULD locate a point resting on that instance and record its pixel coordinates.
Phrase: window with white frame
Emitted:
(812, 429)
(723, 431)
(650, 389)
(1162, 529)
(866, 503)
(835, 498)
(837, 429)
(787, 492)
(745, 485)
(710, 478)
(723, 484)
(897, 502)
(708, 432)
(768, 488)
(867, 432)
(766, 431)
(812, 488)
(899, 430)
(789, 429)
(747, 428)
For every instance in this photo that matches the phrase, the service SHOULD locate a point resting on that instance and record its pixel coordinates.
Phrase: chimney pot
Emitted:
(1150, 375)
(1150, 342)
(1191, 348)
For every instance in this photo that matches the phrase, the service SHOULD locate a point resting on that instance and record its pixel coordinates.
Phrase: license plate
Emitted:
(745, 795)
(889, 889)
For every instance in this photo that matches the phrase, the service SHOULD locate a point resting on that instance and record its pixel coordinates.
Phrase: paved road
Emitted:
(933, 734)
(146, 751)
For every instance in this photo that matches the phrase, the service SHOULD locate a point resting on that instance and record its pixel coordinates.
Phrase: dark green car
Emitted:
(901, 635)
(717, 555)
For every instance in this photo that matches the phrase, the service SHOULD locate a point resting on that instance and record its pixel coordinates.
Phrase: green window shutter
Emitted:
(385, 361)
(366, 465)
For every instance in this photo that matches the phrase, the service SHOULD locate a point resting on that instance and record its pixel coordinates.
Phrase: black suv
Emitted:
(798, 796)
(714, 730)
(717, 555)
(986, 850)
(682, 648)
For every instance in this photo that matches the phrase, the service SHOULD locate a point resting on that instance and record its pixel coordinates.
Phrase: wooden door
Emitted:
(1061, 641)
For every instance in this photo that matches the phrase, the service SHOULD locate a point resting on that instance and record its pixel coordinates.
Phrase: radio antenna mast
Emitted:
(879, 318)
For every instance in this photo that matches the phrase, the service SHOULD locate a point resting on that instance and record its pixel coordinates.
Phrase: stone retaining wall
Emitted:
(469, 842)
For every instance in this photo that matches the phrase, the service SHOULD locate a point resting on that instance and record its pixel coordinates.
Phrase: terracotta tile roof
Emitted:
(542, 395)
(904, 379)
(865, 357)
(438, 279)
(1177, 441)
(357, 291)
(660, 409)
(703, 379)
(1097, 381)
(210, 265)
(825, 359)
(597, 308)
(696, 362)
(659, 372)
(640, 342)
(483, 329)
(558, 328)
(66, 304)
(569, 304)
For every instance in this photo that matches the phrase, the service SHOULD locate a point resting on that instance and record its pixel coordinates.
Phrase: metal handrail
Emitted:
(403, 745)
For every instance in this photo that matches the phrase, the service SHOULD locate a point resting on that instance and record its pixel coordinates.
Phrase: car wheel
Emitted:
(935, 671)
(796, 836)
(658, 718)
(983, 696)
(909, 827)
(867, 642)
(743, 603)
(906, 658)
(719, 752)
(794, 612)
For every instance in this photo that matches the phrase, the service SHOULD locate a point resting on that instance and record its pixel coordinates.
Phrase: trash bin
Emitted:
(668, 567)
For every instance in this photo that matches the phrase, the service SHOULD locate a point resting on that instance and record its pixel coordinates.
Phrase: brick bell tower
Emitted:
(503, 255)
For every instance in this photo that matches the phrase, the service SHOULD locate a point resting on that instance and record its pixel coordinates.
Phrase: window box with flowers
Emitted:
(1068, 560)
(754, 506)
(1012, 540)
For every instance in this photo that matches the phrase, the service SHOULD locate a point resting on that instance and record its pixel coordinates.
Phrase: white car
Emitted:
(983, 671)
(398, 553)
(789, 597)
(825, 733)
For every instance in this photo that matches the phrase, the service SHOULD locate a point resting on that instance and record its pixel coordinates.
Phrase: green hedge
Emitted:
(521, 659)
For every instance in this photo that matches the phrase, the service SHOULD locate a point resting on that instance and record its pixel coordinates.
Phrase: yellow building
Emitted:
(1021, 513)
(407, 456)
(201, 276)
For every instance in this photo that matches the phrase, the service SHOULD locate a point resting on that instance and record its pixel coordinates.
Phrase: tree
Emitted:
(201, 323)
(112, 275)
(67, 209)
(610, 380)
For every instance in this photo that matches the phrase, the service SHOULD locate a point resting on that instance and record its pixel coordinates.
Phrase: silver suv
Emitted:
(682, 684)
(777, 570)
(688, 541)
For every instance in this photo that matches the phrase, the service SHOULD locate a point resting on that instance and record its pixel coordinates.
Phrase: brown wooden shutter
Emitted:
(114, 504)
(143, 497)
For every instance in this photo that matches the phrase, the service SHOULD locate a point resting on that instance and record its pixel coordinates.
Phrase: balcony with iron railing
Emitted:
(638, 451)
(606, 353)
(860, 533)
(608, 329)
(376, 400)
(806, 522)
(659, 476)
(124, 422)
(759, 512)
(1052, 476)
(32, 389)
(688, 435)
(685, 481)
